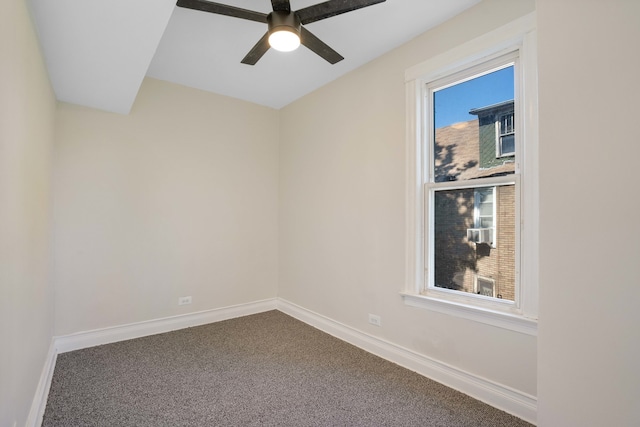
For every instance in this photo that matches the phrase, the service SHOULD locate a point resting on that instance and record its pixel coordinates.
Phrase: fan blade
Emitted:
(281, 5)
(331, 8)
(319, 47)
(257, 51)
(223, 9)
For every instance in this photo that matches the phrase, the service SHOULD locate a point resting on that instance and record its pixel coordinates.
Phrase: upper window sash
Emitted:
(488, 65)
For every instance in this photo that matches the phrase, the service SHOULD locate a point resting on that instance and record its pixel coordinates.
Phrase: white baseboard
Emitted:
(109, 335)
(502, 397)
(42, 391)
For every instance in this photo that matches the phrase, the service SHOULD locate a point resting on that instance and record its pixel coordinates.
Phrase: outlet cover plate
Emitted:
(374, 319)
(184, 300)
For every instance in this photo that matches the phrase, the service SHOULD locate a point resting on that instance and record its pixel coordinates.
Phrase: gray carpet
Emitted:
(267, 369)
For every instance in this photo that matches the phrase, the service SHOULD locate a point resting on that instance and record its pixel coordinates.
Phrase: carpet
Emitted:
(267, 369)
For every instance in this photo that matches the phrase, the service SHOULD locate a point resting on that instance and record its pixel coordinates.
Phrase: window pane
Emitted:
(486, 209)
(466, 117)
(508, 144)
(462, 251)
(485, 223)
(506, 124)
(486, 195)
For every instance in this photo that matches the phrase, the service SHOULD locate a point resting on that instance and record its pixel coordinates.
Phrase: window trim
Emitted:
(519, 35)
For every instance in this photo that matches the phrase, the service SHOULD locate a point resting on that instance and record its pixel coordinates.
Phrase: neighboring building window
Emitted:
(472, 194)
(486, 287)
(483, 215)
(483, 209)
(507, 137)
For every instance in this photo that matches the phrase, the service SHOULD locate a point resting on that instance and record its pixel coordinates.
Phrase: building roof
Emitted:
(457, 154)
(493, 107)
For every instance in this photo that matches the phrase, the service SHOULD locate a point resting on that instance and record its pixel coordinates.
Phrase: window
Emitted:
(462, 232)
(471, 186)
(485, 286)
(506, 130)
(483, 212)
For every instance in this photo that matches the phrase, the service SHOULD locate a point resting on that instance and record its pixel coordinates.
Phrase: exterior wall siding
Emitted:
(488, 143)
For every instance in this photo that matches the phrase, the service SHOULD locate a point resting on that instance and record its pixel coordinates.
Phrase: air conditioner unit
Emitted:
(480, 235)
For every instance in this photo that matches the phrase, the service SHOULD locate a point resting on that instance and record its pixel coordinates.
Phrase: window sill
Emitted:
(512, 322)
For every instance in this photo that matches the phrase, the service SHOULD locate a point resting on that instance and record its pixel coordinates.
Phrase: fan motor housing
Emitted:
(280, 20)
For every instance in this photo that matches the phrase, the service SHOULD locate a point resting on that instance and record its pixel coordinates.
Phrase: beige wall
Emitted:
(27, 107)
(177, 198)
(342, 210)
(589, 336)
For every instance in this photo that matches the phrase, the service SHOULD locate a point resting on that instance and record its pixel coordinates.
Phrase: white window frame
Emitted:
(521, 316)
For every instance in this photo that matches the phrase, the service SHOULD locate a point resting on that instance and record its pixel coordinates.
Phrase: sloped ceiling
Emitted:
(98, 52)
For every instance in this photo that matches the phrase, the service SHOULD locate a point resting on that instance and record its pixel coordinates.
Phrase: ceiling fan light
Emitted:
(284, 40)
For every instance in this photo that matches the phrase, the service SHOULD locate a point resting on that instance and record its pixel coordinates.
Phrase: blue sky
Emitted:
(452, 104)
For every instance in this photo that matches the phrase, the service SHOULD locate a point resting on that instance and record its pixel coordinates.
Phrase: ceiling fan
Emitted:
(285, 27)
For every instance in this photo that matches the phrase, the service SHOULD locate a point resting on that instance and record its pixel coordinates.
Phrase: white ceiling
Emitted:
(98, 52)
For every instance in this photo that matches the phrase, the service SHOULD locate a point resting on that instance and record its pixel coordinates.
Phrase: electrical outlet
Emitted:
(184, 300)
(374, 319)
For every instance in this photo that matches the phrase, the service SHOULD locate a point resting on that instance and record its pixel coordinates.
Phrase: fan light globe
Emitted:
(284, 41)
